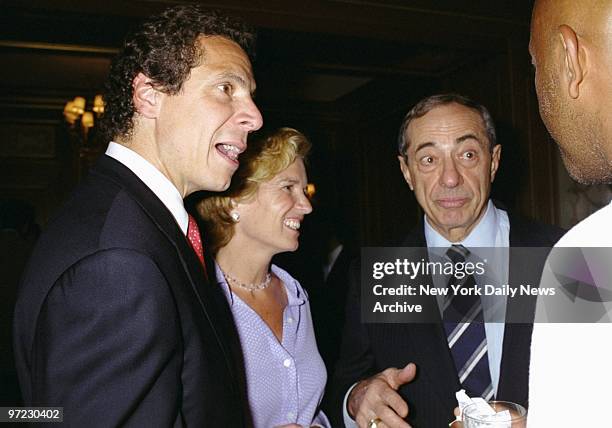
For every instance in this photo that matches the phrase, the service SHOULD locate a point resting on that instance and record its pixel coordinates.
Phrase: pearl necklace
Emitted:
(250, 287)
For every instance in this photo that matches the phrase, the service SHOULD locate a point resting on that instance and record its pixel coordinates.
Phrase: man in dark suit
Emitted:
(389, 374)
(115, 319)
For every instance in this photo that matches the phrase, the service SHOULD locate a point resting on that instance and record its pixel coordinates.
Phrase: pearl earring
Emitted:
(235, 215)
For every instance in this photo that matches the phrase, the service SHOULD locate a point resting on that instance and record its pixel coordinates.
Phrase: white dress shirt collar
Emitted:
(153, 179)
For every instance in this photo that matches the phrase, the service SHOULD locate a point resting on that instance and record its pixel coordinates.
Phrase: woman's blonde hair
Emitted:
(262, 161)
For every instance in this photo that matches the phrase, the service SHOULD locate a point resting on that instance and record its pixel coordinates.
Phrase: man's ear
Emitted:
(495, 157)
(574, 66)
(146, 98)
(405, 171)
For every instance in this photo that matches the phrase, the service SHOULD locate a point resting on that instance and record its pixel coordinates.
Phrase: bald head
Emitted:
(571, 49)
(585, 16)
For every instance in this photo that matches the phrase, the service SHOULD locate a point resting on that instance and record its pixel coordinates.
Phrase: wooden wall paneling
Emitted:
(18, 140)
(487, 81)
(480, 80)
(388, 207)
(36, 164)
(521, 123)
(544, 163)
(339, 182)
(538, 199)
(383, 194)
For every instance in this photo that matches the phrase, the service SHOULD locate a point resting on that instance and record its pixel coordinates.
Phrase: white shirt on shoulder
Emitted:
(569, 373)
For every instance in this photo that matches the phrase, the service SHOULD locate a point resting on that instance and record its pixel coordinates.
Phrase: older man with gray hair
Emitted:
(393, 375)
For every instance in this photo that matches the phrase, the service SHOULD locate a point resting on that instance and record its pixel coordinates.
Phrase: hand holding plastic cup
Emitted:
(478, 413)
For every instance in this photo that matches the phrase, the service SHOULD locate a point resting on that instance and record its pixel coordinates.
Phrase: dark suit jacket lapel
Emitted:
(232, 341)
(159, 214)
(514, 370)
(429, 340)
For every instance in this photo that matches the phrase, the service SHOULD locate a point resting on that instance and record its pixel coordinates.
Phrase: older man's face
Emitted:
(450, 168)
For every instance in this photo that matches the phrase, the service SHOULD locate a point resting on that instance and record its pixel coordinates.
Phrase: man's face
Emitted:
(578, 133)
(202, 129)
(450, 168)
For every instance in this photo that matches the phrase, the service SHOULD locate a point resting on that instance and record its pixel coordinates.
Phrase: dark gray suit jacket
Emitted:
(370, 348)
(115, 320)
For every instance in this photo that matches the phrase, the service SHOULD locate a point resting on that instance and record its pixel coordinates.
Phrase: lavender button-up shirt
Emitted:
(285, 380)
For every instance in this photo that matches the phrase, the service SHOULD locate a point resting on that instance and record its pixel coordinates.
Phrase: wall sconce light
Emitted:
(74, 111)
(310, 190)
(85, 142)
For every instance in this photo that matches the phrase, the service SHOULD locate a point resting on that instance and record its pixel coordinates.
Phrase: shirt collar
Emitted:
(296, 295)
(483, 235)
(153, 179)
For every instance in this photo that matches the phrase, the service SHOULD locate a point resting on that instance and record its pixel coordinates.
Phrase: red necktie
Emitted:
(193, 234)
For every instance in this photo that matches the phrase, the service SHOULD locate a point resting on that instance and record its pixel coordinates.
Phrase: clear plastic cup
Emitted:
(517, 419)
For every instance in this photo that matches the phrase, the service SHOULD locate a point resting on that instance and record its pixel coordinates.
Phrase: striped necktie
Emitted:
(464, 325)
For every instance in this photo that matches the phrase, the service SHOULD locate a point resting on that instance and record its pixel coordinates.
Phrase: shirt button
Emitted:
(290, 415)
(289, 320)
(287, 363)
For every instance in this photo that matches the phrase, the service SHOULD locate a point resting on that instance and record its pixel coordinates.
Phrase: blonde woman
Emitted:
(257, 217)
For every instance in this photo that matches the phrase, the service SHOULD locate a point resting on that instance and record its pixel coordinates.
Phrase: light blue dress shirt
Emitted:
(493, 230)
(286, 379)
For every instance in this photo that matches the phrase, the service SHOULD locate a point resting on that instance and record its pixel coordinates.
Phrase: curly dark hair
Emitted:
(165, 49)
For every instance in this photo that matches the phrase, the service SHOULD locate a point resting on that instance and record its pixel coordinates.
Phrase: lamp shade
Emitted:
(69, 113)
(98, 104)
(87, 120)
(79, 104)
